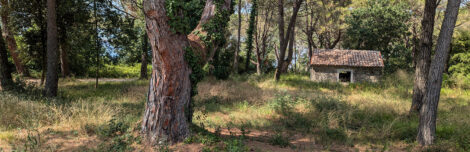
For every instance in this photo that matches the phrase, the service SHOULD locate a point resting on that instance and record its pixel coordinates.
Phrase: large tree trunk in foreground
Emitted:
(5, 73)
(143, 66)
(428, 112)
(170, 86)
(10, 40)
(423, 55)
(52, 51)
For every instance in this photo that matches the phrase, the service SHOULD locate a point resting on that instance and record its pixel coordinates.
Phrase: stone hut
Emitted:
(346, 65)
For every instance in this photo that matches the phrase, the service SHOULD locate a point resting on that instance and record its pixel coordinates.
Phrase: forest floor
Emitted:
(243, 113)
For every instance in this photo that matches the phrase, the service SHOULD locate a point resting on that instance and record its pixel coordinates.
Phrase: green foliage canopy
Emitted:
(381, 25)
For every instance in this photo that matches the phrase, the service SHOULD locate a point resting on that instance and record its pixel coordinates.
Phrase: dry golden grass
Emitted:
(310, 116)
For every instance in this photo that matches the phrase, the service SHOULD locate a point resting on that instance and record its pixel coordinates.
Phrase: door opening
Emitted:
(345, 76)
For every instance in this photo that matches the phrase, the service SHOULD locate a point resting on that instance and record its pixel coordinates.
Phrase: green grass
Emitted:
(107, 71)
(119, 71)
(356, 117)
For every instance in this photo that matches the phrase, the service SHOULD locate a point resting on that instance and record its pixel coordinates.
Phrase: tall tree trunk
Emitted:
(309, 33)
(52, 51)
(10, 39)
(169, 93)
(43, 29)
(143, 66)
(295, 58)
(250, 32)
(235, 59)
(5, 73)
(310, 50)
(423, 55)
(64, 66)
(284, 39)
(43, 65)
(170, 87)
(428, 112)
(97, 45)
(258, 53)
(290, 52)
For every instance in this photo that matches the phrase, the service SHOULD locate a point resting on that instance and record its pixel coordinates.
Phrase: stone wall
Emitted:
(325, 73)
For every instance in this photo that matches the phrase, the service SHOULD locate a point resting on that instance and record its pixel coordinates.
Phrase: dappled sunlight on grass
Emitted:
(359, 114)
(78, 107)
(341, 117)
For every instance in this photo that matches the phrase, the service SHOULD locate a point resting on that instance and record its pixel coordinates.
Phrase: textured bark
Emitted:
(10, 39)
(284, 39)
(428, 111)
(52, 78)
(290, 53)
(5, 73)
(423, 55)
(235, 58)
(169, 93)
(52, 51)
(143, 66)
(64, 61)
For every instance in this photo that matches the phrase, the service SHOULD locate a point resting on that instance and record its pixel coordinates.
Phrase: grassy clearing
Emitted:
(107, 71)
(240, 114)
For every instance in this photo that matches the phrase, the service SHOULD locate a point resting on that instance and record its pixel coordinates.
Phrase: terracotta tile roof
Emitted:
(351, 58)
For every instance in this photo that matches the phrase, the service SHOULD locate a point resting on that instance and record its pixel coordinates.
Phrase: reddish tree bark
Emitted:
(428, 111)
(10, 39)
(170, 87)
(423, 55)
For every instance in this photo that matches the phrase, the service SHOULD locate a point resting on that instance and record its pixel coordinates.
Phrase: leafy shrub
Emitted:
(117, 144)
(112, 129)
(405, 130)
(235, 145)
(336, 134)
(463, 141)
(279, 140)
(284, 105)
(200, 135)
(222, 64)
(445, 131)
(328, 104)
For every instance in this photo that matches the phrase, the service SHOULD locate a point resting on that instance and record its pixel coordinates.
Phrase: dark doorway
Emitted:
(345, 76)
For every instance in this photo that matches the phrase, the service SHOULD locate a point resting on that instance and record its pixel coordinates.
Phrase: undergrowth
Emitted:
(229, 114)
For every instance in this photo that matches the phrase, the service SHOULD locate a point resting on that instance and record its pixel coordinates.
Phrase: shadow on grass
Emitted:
(330, 120)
